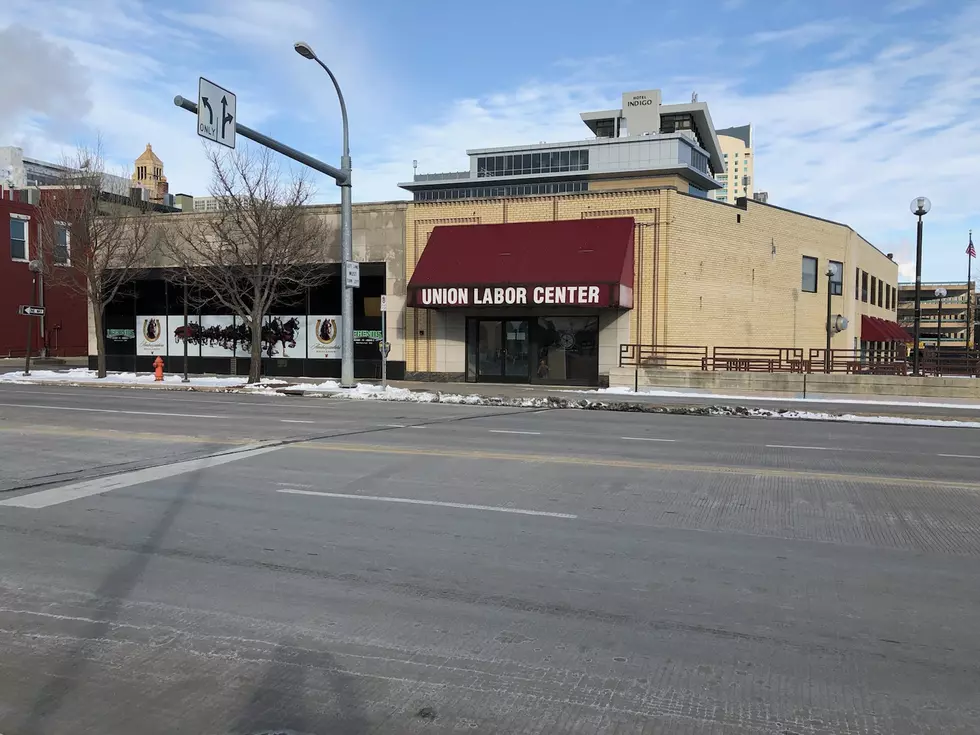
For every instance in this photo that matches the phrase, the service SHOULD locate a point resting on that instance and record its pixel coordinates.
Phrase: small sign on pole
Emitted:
(30, 310)
(216, 113)
(384, 303)
(352, 274)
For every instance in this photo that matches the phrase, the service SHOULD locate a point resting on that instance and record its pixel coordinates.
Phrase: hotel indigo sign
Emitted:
(457, 296)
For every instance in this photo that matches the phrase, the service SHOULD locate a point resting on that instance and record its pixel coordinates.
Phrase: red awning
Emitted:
(587, 262)
(875, 329)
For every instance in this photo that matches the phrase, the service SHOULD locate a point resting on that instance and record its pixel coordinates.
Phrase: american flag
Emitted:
(970, 250)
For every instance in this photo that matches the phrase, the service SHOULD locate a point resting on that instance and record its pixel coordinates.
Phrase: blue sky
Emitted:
(857, 106)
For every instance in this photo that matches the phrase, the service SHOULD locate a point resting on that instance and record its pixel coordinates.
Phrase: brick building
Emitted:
(679, 268)
(62, 332)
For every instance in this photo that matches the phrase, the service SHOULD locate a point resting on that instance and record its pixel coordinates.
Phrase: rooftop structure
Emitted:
(645, 144)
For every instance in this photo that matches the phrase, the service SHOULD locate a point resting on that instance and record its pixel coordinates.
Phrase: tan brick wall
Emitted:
(735, 276)
(705, 272)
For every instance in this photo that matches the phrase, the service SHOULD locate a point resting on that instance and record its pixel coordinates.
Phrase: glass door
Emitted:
(498, 350)
(490, 350)
(516, 352)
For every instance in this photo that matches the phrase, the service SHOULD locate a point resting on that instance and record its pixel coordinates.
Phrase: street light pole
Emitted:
(919, 207)
(940, 294)
(346, 230)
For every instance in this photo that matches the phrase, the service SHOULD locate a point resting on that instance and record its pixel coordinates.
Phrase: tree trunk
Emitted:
(255, 362)
(98, 317)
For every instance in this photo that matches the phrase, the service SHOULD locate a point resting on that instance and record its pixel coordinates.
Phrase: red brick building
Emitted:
(63, 331)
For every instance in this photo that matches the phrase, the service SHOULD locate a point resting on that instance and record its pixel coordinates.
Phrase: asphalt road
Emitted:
(219, 563)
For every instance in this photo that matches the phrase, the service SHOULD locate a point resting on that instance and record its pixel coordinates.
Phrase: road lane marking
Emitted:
(645, 439)
(112, 410)
(74, 491)
(960, 456)
(638, 464)
(793, 446)
(394, 426)
(415, 501)
(511, 431)
(295, 421)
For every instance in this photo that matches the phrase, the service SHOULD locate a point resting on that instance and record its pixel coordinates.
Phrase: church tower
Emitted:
(148, 174)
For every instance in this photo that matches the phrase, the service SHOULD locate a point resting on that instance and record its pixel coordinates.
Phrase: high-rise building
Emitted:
(737, 179)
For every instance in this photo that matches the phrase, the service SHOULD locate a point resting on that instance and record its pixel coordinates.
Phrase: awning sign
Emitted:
(579, 295)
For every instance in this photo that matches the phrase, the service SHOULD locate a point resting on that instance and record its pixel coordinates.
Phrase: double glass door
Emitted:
(502, 350)
(552, 350)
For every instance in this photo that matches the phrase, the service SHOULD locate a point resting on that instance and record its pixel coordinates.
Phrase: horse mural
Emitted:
(239, 336)
(279, 331)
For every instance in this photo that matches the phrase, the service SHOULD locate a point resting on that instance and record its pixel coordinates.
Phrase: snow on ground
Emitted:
(84, 376)
(851, 418)
(663, 393)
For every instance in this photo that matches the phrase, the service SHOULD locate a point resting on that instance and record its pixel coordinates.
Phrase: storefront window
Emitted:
(567, 349)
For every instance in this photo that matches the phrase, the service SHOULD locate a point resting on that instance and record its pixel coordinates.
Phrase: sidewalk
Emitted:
(958, 412)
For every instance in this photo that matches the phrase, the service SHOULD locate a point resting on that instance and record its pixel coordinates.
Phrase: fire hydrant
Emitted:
(158, 369)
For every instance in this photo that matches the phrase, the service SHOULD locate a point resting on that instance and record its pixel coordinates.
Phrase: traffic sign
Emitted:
(30, 310)
(216, 113)
(384, 303)
(352, 274)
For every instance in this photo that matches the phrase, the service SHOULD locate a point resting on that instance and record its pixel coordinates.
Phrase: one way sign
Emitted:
(215, 113)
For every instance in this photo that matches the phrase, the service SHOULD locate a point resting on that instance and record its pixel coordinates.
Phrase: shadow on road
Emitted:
(108, 601)
(302, 692)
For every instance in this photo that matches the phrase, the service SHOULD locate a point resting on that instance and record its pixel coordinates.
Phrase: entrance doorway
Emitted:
(502, 350)
(554, 350)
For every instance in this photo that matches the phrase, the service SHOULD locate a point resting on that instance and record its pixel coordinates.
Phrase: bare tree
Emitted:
(95, 237)
(262, 245)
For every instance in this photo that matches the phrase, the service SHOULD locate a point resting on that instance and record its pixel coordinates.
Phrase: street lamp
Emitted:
(831, 272)
(920, 206)
(346, 245)
(940, 294)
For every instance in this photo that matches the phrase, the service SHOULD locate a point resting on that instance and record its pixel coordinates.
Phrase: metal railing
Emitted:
(893, 362)
(663, 356)
(951, 361)
(759, 359)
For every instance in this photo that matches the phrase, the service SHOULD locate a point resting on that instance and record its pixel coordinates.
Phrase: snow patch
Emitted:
(663, 393)
(85, 376)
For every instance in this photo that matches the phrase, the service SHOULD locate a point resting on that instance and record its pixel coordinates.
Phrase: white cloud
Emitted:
(853, 137)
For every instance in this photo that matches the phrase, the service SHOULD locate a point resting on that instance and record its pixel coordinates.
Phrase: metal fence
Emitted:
(663, 356)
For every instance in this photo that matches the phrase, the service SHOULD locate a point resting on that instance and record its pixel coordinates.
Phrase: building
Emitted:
(62, 330)
(148, 324)
(148, 175)
(959, 309)
(739, 176)
(25, 185)
(18, 171)
(645, 144)
(549, 284)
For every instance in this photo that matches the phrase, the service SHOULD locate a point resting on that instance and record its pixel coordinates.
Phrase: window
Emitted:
(857, 283)
(874, 291)
(809, 274)
(881, 289)
(837, 280)
(864, 286)
(19, 246)
(62, 244)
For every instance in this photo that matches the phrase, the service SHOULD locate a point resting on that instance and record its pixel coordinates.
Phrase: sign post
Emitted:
(352, 274)
(384, 342)
(216, 113)
(29, 311)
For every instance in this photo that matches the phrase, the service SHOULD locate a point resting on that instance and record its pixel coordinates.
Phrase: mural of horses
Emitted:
(279, 331)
